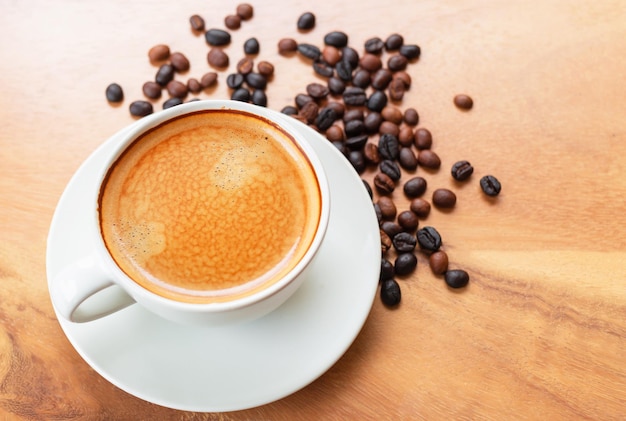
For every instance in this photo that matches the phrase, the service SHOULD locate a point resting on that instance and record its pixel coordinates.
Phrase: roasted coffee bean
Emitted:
(193, 85)
(216, 57)
(390, 168)
(309, 111)
(351, 56)
(410, 51)
(381, 79)
(289, 110)
(462, 170)
(357, 142)
(394, 42)
(404, 77)
(383, 183)
(245, 66)
(197, 23)
(179, 61)
(444, 198)
(368, 188)
(415, 186)
(420, 207)
(302, 99)
(379, 217)
(370, 62)
(208, 79)
(405, 263)
(392, 114)
(217, 37)
(337, 39)
(404, 242)
(336, 86)
(390, 228)
(265, 68)
(338, 107)
(371, 153)
(428, 159)
(309, 51)
(251, 46)
(164, 74)
(388, 146)
(397, 89)
(397, 62)
(326, 117)
(235, 80)
(385, 240)
(317, 90)
(245, 11)
(344, 70)
(438, 262)
(464, 102)
(428, 238)
(354, 96)
(372, 122)
(172, 102)
(232, 22)
(388, 209)
(457, 278)
(114, 93)
(374, 45)
(160, 52)
(408, 221)
(256, 80)
(241, 94)
(341, 148)
(354, 128)
(335, 133)
(407, 159)
(411, 117)
(306, 21)
(361, 78)
(259, 98)
(287, 45)
(386, 270)
(390, 293)
(405, 136)
(490, 185)
(377, 101)
(357, 160)
(423, 139)
(177, 89)
(323, 69)
(353, 114)
(331, 55)
(390, 128)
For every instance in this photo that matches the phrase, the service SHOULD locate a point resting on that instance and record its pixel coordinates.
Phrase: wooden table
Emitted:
(540, 331)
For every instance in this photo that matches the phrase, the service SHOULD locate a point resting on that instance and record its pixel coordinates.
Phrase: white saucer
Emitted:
(242, 366)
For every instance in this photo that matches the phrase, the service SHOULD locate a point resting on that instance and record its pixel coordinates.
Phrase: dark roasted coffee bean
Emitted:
(415, 186)
(389, 128)
(323, 69)
(388, 209)
(408, 220)
(374, 45)
(353, 114)
(379, 217)
(309, 111)
(490, 185)
(235, 80)
(357, 142)
(164, 74)
(336, 86)
(438, 262)
(256, 80)
(388, 146)
(385, 240)
(216, 57)
(241, 94)
(337, 39)
(420, 207)
(344, 70)
(462, 170)
(302, 99)
(197, 23)
(177, 89)
(341, 148)
(428, 159)
(232, 22)
(410, 51)
(394, 42)
(172, 102)
(354, 96)
(354, 128)
(259, 98)
(407, 159)
(397, 62)
(397, 89)
(265, 68)
(245, 66)
(405, 263)
(377, 101)
(160, 52)
(371, 153)
(306, 21)
(428, 238)
(384, 184)
(405, 137)
(351, 56)
(245, 11)
(335, 133)
(338, 107)
(217, 37)
(361, 78)
(444, 198)
(423, 139)
(456, 278)
(372, 122)
(114, 93)
(289, 110)
(381, 79)
(370, 62)
(326, 117)
(404, 242)
(193, 85)
(464, 102)
(317, 90)
(179, 62)
(357, 160)
(331, 55)
(140, 108)
(386, 270)
(368, 188)
(390, 168)
(390, 293)
(390, 228)
(309, 51)
(287, 45)
(251, 46)
(411, 117)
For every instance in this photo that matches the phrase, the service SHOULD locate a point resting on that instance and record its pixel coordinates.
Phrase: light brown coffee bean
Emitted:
(423, 139)
(370, 62)
(371, 153)
(245, 11)
(396, 89)
(287, 46)
(404, 77)
(309, 111)
(428, 159)
(197, 23)
(335, 134)
(179, 61)
(160, 52)
(389, 127)
(216, 57)
(420, 207)
(331, 55)
(408, 220)
(265, 68)
(411, 117)
(392, 114)
(385, 242)
(245, 65)
(232, 21)
(208, 79)
(384, 183)
(444, 198)
(177, 89)
(405, 136)
(438, 262)
(387, 207)
(194, 86)
(463, 102)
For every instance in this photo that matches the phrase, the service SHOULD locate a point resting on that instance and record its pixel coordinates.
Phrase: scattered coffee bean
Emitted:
(344, 70)
(245, 11)
(358, 142)
(387, 207)
(389, 128)
(309, 111)
(235, 80)
(394, 42)
(456, 278)
(385, 240)
(354, 96)
(407, 159)
(326, 117)
(386, 270)
(164, 75)
(232, 21)
(317, 90)
(331, 55)
(405, 137)
(337, 39)
(287, 45)
(208, 79)
(404, 242)
(383, 183)
(216, 57)
(411, 116)
(372, 122)
(370, 62)
(397, 88)
(404, 77)
(381, 79)
(392, 114)
(361, 78)
(410, 51)
(251, 46)
(415, 186)
(336, 86)
(428, 238)
(351, 56)
(353, 114)
(172, 102)
(306, 21)
(193, 85)
(428, 159)
(335, 133)
(490, 185)
(339, 108)
(423, 139)
(438, 262)
(241, 94)
(160, 52)
(114, 93)
(245, 66)
(420, 207)
(374, 45)
(462, 170)
(390, 228)
(259, 98)
(217, 37)
(390, 168)
(302, 99)
(256, 80)
(377, 101)
(309, 51)
(371, 153)
(177, 89)
(444, 198)
(464, 102)
(390, 293)
(354, 128)
(388, 146)
(379, 217)
(179, 62)
(368, 188)
(289, 110)
(405, 263)
(323, 69)
(140, 108)
(397, 62)
(197, 23)
(357, 159)
(265, 68)
(408, 221)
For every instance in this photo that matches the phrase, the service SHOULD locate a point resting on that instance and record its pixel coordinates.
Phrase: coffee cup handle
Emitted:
(83, 292)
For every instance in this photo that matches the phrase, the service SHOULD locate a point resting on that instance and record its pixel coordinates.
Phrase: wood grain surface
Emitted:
(540, 331)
